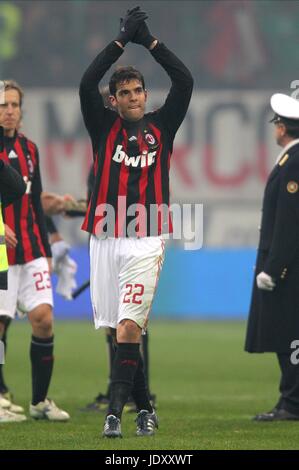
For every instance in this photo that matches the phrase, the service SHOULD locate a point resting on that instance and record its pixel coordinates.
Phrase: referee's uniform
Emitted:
(273, 322)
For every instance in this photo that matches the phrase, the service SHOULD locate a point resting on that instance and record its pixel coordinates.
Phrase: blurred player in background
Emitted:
(273, 322)
(55, 204)
(29, 284)
(132, 157)
(62, 265)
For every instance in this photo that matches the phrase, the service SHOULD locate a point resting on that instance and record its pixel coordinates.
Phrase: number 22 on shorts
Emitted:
(134, 293)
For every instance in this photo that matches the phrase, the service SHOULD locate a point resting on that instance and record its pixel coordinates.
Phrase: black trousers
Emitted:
(289, 384)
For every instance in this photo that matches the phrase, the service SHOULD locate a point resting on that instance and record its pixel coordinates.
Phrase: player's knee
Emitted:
(129, 325)
(42, 327)
(42, 321)
(128, 331)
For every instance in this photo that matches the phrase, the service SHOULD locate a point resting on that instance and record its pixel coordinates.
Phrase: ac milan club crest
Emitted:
(150, 139)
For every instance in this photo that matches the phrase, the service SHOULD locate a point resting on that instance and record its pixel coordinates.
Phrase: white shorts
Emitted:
(29, 285)
(124, 274)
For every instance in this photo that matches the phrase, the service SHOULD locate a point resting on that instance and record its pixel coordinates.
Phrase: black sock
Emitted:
(122, 377)
(145, 357)
(3, 386)
(111, 357)
(41, 355)
(140, 391)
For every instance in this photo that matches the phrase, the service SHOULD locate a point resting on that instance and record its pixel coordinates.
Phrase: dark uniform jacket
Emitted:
(274, 315)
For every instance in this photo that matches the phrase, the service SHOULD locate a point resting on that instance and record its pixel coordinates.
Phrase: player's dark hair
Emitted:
(123, 75)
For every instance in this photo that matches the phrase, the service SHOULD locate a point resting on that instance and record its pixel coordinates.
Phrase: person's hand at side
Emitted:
(265, 282)
(10, 237)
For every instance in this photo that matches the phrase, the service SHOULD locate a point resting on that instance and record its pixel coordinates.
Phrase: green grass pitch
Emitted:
(207, 389)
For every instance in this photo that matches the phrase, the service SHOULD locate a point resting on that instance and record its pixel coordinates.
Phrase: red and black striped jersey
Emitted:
(132, 158)
(25, 216)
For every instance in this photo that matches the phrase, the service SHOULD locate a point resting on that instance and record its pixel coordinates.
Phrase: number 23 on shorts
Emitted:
(42, 280)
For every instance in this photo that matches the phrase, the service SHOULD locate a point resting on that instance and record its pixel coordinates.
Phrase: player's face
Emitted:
(129, 100)
(10, 112)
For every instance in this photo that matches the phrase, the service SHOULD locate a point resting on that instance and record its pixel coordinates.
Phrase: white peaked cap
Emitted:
(285, 106)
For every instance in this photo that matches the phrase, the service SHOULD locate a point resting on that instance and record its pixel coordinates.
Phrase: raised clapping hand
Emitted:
(143, 36)
(129, 25)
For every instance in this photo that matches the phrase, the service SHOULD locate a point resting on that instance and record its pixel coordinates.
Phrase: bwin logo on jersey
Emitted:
(145, 159)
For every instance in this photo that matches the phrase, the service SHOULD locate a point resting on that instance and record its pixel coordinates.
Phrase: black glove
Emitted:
(143, 36)
(129, 25)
